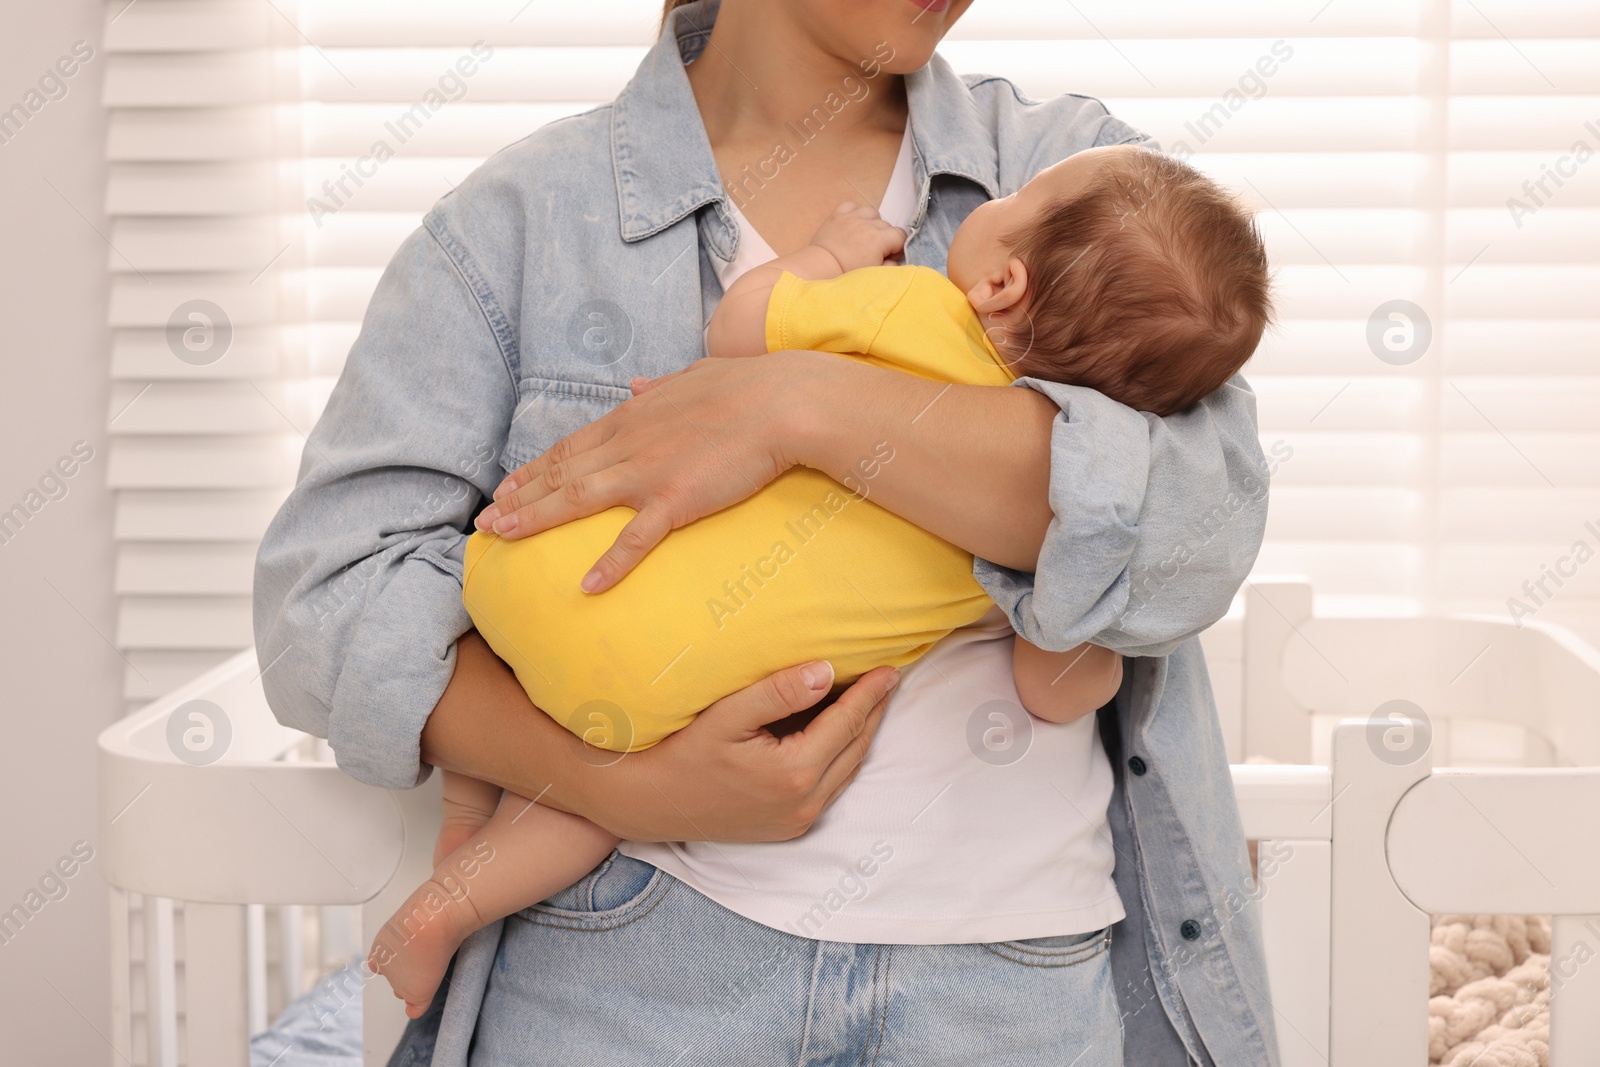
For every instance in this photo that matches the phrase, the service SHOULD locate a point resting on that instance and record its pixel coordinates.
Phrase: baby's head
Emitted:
(1121, 269)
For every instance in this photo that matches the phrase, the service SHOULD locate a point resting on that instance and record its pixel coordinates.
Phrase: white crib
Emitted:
(1365, 846)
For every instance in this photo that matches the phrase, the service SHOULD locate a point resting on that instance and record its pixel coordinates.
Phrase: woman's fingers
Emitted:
(838, 738)
(534, 508)
(642, 385)
(643, 532)
(748, 785)
(749, 711)
(563, 452)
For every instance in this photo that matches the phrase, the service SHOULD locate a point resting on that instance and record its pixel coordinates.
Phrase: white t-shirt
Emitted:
(971, 821)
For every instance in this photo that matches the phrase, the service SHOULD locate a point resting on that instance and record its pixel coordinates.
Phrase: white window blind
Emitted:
(200, 454)
(1382, 140)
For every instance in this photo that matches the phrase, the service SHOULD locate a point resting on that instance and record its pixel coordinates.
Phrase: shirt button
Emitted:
(1190, 930)
(1136, 765)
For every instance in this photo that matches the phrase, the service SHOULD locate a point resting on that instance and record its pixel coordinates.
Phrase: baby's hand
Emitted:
(857, 236)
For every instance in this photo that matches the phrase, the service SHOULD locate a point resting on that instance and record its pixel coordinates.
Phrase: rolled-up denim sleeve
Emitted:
(1157, 522)
(357, 601)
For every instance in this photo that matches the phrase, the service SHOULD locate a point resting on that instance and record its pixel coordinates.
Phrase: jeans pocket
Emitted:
(1062, 950)
(617, 891)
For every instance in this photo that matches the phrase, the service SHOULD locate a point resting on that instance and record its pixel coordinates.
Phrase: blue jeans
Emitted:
(629, 967)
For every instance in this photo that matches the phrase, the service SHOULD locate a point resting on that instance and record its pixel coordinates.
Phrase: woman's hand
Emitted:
(725, 777)
(685, 446)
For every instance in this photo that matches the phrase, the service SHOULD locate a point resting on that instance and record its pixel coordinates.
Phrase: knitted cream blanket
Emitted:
(1489, 993)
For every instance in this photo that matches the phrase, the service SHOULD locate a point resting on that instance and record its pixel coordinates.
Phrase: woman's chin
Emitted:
(911, 56)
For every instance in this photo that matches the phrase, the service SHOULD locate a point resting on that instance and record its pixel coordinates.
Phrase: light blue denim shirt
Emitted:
(581, 256)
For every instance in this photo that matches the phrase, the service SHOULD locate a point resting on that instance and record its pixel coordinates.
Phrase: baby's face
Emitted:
(978, 250)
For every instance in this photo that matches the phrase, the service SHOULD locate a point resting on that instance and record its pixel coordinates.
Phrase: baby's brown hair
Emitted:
(1151, 285)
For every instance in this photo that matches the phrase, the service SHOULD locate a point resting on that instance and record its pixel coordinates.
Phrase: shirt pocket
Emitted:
(553, 408)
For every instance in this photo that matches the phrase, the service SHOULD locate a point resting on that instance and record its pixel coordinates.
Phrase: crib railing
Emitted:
(207, 849)
(1353, 855)
(1405, 840)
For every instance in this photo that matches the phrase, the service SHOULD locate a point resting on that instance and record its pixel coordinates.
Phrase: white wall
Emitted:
(60, 679)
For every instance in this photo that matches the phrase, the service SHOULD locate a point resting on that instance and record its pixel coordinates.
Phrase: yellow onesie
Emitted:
(804, 569)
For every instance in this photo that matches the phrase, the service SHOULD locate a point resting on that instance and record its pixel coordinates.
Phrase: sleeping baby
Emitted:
(1119, 269)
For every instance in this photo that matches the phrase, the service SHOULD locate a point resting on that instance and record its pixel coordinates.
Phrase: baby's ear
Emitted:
(999, 294)
(1016, 283)
(980, 295)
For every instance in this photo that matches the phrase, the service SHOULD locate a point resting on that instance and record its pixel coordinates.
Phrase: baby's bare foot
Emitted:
(414, 947)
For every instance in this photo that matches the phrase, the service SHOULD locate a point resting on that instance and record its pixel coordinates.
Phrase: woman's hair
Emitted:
(669, 7)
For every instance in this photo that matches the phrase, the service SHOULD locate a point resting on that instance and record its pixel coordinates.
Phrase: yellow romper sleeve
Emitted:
(910, 319)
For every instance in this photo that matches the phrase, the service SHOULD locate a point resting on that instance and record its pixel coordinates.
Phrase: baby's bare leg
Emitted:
(523, 854)
(466, 805)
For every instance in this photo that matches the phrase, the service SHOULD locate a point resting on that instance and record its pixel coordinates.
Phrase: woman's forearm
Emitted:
(485, 726)
(969, 463)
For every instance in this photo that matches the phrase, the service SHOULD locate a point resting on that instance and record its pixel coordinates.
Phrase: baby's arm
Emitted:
(1065, 686)
(521, 855)
(853, 236)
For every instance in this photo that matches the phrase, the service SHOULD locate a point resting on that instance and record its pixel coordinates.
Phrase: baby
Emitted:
(1118, 268)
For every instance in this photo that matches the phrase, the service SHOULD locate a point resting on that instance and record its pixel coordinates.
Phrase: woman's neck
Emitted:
(795, 129)
(761, 71)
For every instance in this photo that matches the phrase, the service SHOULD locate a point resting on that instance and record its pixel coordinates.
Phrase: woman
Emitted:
(589, 256)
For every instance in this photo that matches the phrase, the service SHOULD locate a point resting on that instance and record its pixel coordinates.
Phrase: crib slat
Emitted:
(1295, 887)
(340, 938)
(214, 966)
(1574, 990)
(1377, 1013)
(291, 950)
(255, 941)
(160, 983)
(121, 985)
